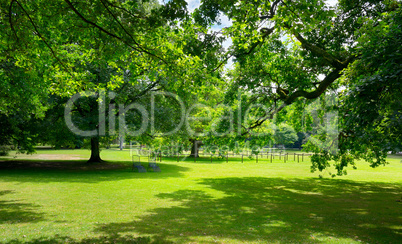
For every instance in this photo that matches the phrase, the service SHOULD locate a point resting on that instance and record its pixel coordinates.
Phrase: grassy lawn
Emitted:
(54, 197)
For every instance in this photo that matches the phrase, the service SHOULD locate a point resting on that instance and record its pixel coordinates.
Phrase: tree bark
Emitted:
(195, 148)
(95, 151)
(121, 143)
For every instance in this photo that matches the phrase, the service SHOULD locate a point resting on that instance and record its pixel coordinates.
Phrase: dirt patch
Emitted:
(58, 157)
(50, 157)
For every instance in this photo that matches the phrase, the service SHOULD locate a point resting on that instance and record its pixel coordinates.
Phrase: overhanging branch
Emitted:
(336, 63)
(10, 14)
(137, 47)
(325, 83)
(271, 11)
(43, 39)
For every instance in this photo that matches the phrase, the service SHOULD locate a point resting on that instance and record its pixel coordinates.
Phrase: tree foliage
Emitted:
(372, 102)
(67, 47)
(285, 135)
(289, 53)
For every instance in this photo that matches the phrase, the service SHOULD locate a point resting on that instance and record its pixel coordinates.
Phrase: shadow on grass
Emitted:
(101, 239)
(13, 211)
(79, 171)
(275, 210)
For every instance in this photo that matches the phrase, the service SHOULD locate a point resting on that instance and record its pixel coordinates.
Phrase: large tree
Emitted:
(101, 46)
(285, 52)
(292, 52)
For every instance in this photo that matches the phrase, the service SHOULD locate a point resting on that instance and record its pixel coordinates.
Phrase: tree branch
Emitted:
(291, 10)
(260, 121)
(266, 32)
(90, 22)
(10, 19)
(336, 63)
(125, 10)
(328, 80)
(271, 11)
(43, 39)
(221, 63)
(138, 48)
(140, 94)
(121, 26)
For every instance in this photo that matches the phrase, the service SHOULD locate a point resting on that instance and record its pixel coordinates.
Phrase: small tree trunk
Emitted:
(195, 148)
(121, 142)
(95, 152)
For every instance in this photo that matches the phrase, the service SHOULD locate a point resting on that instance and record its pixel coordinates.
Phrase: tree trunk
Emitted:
(195, 148)
(121, 142)
(95, 152)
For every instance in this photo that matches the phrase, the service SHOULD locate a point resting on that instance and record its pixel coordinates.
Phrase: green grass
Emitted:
(190, 202)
